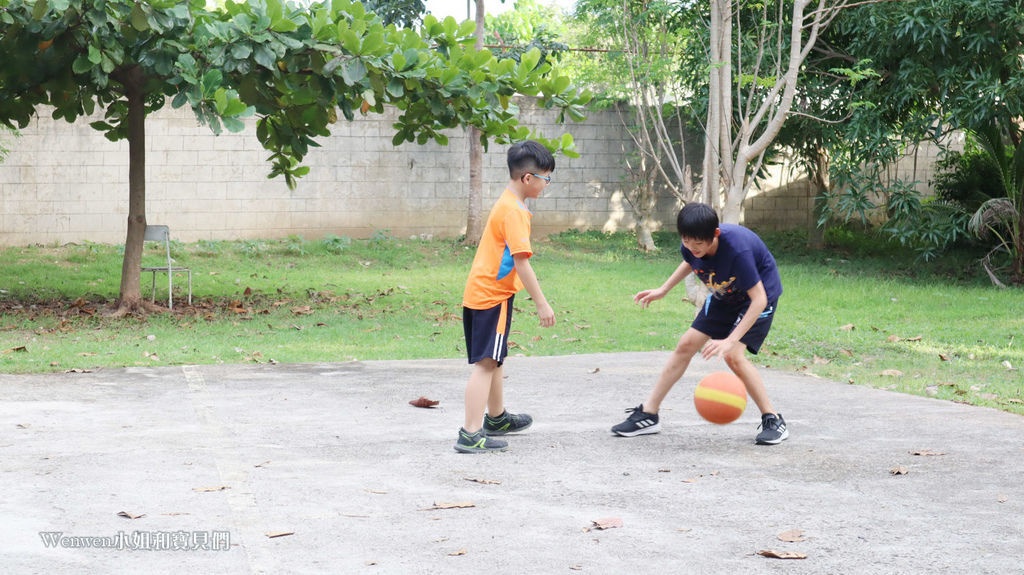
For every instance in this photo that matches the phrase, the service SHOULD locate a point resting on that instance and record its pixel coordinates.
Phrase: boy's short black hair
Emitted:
(697, 221)
(527, 157)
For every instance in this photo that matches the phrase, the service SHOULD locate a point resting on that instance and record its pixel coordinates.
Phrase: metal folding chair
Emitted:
(163, 234)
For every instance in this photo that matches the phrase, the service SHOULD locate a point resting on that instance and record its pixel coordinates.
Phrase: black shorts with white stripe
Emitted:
(487, 331)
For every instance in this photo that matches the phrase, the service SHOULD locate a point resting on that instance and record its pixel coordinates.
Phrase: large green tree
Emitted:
(945, 65)
(293, 67)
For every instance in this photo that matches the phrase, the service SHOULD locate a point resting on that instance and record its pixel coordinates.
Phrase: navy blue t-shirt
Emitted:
(740, 262)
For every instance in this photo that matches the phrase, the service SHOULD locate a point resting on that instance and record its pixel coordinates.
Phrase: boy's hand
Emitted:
(717, 347)
(545, 314)
(645, 297)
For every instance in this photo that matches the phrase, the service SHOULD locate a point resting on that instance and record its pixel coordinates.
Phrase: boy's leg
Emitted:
(689, 344)
(496, 399)
(478, 392)
(751, 378)
(643, 419)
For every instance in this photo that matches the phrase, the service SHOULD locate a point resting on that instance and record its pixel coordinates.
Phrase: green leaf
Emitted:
(264, 57)
(220, 99)
(138, 18)
(284, 25)
(235, 108)
(40, 8)
(81, 65)
(94, 54)
(353, 72)
(396, 87)
(241, 51)
(350, 41)
(211, 81)
(529, 60)
(467, 28)
(233, 124)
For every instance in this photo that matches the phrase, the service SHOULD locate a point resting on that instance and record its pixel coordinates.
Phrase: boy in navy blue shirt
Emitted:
(737, 267)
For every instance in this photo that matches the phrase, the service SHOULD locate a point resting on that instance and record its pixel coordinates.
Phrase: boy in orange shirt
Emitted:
(500, 269)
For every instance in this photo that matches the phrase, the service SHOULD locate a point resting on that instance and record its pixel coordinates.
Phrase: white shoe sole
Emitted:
(644, 431)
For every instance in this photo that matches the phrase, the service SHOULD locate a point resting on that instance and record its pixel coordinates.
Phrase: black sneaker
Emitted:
(507, 423)
(639, 422)
(478, 442)
(773, 429)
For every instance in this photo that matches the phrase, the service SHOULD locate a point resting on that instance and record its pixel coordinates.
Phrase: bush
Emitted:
(968, 179)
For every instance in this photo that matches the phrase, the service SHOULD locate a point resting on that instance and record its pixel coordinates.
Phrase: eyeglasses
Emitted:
(545, 178)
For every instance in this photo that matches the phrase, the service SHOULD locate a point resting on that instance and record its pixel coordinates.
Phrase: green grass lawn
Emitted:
(862, 311)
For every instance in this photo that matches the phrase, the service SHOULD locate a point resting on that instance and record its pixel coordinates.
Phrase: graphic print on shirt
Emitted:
(720, 289)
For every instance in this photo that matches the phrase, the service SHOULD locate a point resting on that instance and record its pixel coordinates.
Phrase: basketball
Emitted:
(720, 397)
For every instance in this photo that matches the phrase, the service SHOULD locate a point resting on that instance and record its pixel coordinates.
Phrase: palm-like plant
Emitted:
(1003, 218)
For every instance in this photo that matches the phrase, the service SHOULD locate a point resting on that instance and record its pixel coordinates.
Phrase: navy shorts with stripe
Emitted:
(487, 331)
(718, 319)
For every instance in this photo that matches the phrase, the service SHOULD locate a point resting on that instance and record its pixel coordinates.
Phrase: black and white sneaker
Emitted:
(639, 422)
(773, 429)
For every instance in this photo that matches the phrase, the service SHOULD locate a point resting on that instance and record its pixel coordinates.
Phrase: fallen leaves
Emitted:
(604, 523)
(19, 349)
(210, 489)
(453, 505)
(276, 534)
(127, 515)
(899, 470)
(423, 402)
(792, 536)
(781, 554)
(483, 481)
(926, 452)
(458, 553)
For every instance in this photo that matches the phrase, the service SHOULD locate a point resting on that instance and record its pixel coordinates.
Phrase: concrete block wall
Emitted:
(66, 183)
(786, 200)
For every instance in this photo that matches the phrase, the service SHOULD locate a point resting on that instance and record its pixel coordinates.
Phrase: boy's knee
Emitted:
(487, 363)
(737, 357)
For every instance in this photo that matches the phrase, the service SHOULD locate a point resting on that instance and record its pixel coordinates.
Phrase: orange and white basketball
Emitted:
(720, 397)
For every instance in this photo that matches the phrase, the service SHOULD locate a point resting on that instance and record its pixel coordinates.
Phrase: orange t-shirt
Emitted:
(493, 278)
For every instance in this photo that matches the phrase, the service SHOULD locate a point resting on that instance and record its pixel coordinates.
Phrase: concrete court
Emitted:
(334, 454)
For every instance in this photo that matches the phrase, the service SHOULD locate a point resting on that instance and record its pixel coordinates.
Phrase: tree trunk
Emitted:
(130, 298)
(819, 189)
(474, 211)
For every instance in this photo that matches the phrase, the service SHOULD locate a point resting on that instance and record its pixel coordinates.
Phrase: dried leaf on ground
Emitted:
(943, 357)
(453, 505)
(899, 470)
(821, 360)
(848, 327)
(210, 489)
(484, 481)
(792, 536)
(20, 348)
(273, 534)
(926, 452)
(892, 373)
(423, 402)
(127, 515)
(595, 370)
(457, 553)
(781, 554)
(607, 523)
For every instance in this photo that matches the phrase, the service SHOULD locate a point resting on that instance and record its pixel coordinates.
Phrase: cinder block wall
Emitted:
(66, 183)
(786, 200)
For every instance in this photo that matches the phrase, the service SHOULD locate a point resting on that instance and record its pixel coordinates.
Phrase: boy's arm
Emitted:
(647, 296)
(529, 279)
(758, 301)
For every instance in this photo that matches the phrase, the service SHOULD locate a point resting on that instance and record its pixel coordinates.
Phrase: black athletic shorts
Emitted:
(717, 321)
(487, 331)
